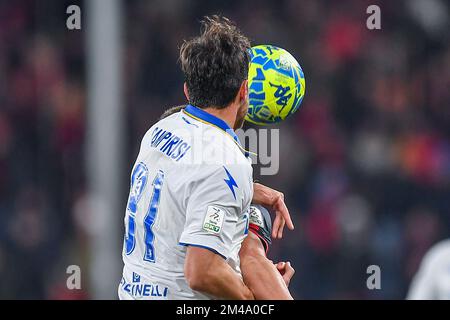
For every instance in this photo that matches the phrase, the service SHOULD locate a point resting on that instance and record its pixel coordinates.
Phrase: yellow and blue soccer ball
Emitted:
(276, 85)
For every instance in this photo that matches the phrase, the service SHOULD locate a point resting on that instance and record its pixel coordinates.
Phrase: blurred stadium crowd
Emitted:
(365, 163)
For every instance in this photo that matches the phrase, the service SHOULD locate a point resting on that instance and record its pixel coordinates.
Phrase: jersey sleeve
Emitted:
(216, 201)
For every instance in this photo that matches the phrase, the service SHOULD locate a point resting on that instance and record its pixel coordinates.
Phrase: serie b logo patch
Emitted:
(213, 220)
(256, 217)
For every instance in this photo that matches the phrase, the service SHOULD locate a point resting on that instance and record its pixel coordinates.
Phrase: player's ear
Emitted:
(243, 91)
(186, 93)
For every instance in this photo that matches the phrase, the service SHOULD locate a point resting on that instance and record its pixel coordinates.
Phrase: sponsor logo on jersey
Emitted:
(143, 289)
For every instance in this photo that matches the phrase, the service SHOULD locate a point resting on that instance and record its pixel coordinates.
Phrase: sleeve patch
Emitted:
(256, 217)
(213, 220)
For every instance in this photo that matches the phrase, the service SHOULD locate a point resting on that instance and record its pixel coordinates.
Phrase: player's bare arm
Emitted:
(208, 272)
(266, 280)
(260, 274)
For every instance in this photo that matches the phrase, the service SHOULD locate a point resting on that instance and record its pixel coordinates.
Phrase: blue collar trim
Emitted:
(207, 117)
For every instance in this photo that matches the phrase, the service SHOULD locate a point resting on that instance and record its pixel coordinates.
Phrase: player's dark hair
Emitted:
(215, 63)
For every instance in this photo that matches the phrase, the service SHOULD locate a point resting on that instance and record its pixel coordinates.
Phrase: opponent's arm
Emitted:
(260, 274)
(266, 280)
(208, 272)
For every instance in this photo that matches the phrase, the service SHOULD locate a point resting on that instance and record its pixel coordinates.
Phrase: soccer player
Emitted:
(191, 185)
(265, 280)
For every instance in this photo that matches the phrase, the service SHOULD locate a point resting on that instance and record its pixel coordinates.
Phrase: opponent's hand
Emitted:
(274, 200)
(286, 271)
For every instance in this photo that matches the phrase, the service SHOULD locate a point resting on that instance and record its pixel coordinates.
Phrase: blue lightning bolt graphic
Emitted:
(231, 183)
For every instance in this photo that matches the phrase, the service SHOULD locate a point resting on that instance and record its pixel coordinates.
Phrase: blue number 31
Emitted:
(139, 179)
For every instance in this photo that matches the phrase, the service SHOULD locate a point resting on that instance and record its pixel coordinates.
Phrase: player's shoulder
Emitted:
(168, 128)
(208, 139)
(213, 138)
(171, 120)
(437, 258)
(439, 252)
(165, 122)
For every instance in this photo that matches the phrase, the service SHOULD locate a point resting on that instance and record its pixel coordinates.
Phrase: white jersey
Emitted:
(432, 281)
(191, 185)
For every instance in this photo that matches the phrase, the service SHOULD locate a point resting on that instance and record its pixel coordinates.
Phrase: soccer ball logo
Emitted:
(276, 85)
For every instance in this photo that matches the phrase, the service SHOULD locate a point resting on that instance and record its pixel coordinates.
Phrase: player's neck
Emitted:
(227, 114)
